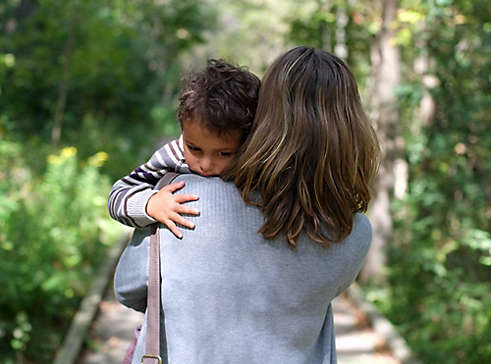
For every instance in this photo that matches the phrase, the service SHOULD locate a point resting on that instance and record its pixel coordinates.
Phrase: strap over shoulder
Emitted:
(152, 346)
(166, 179)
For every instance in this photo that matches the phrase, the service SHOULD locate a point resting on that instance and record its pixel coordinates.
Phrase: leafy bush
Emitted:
(54, 231)
(438, 294)
(439, 291)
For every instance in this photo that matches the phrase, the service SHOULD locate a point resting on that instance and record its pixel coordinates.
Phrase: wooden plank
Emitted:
(72, 343)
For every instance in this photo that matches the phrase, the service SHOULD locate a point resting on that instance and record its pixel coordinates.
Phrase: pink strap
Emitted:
(152, 346)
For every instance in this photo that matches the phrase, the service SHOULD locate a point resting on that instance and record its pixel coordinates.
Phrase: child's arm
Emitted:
(129, 195)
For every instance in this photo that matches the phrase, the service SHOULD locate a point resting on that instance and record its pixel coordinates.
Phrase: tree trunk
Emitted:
(426, 110)
(63, 85)
(341, 48)
(323, 39)
(386, 73)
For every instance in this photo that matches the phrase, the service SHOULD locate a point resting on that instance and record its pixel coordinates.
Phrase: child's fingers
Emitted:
(174, 186)
(183, 209)
(181, 221)
(172, 227)
(185, 197)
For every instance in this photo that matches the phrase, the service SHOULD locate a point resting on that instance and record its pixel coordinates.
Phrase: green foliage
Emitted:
(106, 69)
(314, 25)
(54, 232)
(317, 24)
(439, 291)
(252, 33)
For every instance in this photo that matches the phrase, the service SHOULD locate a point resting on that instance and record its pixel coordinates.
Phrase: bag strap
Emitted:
(152, 345)
(166, 180)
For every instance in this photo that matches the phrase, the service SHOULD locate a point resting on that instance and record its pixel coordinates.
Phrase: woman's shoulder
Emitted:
(211, 190)
(359, 240)
(356, 244)
(362, 225)
(208, 183)
(196, 178)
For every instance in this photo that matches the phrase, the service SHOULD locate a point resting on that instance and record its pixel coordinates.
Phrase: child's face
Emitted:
(205, 152)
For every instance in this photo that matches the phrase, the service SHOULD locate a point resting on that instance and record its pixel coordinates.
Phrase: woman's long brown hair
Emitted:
(312, 152)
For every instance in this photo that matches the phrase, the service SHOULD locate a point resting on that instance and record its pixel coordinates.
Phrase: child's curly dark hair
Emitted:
(222, 97)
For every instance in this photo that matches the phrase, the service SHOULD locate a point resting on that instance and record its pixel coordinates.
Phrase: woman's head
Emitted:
(312, 151)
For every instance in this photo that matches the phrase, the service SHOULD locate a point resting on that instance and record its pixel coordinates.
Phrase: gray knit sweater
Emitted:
(230, 296)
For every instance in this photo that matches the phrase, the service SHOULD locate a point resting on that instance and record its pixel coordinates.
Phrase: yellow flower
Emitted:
(98, 159)
(65, 154)
(68, 152)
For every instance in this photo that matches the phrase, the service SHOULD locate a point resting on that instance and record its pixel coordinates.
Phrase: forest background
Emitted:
(88, 90)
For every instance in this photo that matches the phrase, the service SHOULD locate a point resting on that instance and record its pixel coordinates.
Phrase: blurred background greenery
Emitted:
(88, 90)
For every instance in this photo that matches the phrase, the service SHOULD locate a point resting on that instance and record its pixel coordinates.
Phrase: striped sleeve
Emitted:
(129, 195)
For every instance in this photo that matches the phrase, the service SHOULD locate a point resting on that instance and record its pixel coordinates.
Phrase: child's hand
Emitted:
(166, 207)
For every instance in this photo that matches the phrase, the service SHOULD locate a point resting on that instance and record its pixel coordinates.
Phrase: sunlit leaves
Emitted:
(54, 231)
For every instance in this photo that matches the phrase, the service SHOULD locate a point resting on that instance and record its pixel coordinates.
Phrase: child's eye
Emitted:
(226, 154)
(190, 147)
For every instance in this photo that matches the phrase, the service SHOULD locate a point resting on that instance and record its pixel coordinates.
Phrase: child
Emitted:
(216, 109)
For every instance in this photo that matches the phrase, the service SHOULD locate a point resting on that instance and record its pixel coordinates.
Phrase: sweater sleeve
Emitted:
(131, 274)
(130, 194)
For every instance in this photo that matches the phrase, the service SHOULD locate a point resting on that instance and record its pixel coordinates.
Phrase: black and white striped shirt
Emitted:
(130, 194)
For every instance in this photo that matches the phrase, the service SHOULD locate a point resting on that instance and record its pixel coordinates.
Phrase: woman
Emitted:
(254, 281)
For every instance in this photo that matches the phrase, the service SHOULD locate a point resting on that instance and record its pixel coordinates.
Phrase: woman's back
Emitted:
(230, 296)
